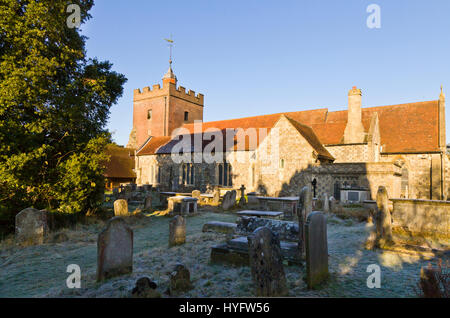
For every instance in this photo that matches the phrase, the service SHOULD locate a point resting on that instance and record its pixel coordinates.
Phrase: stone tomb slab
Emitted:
(219, 227)
(266, 214)
(235, 252)
(182, 205)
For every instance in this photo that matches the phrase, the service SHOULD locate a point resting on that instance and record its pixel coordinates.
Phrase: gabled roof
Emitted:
(311, 137)
(121, 163)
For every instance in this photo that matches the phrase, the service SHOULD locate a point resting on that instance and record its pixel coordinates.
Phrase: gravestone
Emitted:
(383, 217)
(196, 194)
(145, 288)
(332, 205)
(180, 279)
(31, 226)
(216, 196)
(316, 249)
(148, 202)
(114, 249)
(229, 200)
(121, 207)
(266, 263)
(242, 202)
(177, 230)
(326, 203)
(304, 209)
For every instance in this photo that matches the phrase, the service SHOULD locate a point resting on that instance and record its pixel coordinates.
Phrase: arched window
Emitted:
(187, 174)
(225, 175)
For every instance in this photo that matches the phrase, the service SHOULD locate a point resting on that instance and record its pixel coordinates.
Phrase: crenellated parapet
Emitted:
(168, 89)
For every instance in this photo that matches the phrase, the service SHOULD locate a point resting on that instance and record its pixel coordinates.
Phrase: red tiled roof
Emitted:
(411, 127)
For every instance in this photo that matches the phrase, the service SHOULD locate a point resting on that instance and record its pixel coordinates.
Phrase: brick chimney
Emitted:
(354, 131)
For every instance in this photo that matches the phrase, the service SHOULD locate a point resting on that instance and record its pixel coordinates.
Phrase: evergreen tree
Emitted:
(54, 105)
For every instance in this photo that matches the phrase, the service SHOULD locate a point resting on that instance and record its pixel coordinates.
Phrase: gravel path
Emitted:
(40, 271)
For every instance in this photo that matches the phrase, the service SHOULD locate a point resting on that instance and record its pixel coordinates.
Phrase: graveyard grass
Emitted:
(40, 271)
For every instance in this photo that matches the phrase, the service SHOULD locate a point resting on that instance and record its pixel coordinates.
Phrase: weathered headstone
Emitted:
(383, 217)
(266, 263)
(145, 288)
(326, 203)
(31, 226)
(180, 279)
(121, 207)
(177, 230)
(148, 202)
(114, 249)
(196, 194)
(316, 249)
(216, 196)
(332, 204)
(430, 282)
(229, 200)
(304, 209)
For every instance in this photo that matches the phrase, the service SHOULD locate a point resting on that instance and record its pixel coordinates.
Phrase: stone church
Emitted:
(402, 147)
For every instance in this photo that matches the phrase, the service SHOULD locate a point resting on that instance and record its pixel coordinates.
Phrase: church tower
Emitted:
(160, 110)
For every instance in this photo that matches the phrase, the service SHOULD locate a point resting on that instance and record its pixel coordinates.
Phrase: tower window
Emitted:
(149, 114)
(186, 116)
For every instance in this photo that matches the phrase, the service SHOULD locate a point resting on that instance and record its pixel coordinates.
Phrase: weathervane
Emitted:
(170, 47)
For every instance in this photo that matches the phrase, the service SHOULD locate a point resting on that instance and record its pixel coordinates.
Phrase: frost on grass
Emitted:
(40, 271)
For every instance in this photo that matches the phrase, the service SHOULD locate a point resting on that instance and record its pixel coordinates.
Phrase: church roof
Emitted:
(411, 127)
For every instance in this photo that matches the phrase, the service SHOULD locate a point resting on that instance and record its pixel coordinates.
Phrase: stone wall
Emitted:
(349, 152)
(366, 175)
(429, 218)
(417, 171)
(281, 172)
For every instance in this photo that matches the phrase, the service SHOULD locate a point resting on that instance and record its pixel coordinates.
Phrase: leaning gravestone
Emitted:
(266, 263)
(177, 230)
(114, 249)
(31, 226)
(121, 207)
(148, 202)
(180, 279)
(216, 196)
(316, 249)
(383, 217)
(229, 200)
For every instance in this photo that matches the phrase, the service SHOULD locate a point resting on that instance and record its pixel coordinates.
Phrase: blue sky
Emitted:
(259, 57)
